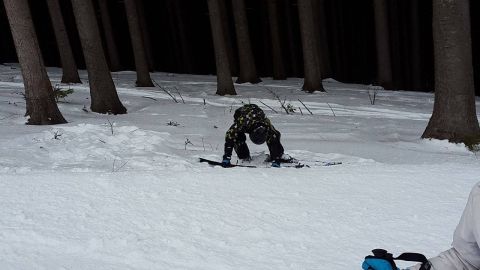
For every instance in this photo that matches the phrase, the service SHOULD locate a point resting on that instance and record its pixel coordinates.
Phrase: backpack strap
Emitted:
(415, 257)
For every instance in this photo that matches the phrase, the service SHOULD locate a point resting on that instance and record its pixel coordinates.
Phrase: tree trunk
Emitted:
(321, 29)
(384, 62)
(416, 46)
(224, 76)
(406, 44)
(176, 54)
(141, 64)
(183, 37)
(311, 57)
(104, 97)
(454, 114)
(339, 63)
(248, 70)
(40, 102)
(266, 64)
(70, 71)
(177, 22)
(293, 52)
(229, 38)
(396, 44)
(277, 44)
(112, 50)
(145, 34)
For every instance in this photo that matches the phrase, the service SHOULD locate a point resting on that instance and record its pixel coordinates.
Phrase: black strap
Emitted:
(408, 256)
(384, 255)
(415, 257)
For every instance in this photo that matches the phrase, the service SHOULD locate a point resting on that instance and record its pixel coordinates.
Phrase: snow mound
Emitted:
(93, 148)
(447, 146)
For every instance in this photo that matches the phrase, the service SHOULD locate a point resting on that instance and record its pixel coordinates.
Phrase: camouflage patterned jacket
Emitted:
(246, 119)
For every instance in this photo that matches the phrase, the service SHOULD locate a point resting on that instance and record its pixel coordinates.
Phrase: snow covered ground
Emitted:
(128, 192)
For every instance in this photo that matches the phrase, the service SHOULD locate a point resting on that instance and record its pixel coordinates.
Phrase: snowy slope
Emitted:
(127, 192)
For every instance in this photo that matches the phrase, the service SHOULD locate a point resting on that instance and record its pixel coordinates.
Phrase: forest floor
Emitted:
(127, 191)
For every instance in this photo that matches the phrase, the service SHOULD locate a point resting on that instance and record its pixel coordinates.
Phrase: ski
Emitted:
(284, 165)
(329, 163)
(217, 163)
(291, 163)
(287, 159)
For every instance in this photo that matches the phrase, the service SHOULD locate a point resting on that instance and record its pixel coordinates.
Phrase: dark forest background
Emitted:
(348, 25)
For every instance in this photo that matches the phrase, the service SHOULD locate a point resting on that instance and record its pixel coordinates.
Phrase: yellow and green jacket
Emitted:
(246, 119)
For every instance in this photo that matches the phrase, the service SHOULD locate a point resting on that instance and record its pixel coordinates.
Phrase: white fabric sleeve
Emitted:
(465, 254)
(447, 260)
(466, 238)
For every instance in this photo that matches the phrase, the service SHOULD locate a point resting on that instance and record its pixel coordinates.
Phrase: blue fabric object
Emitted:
(226, 162)
(276, 164)
(376, 264)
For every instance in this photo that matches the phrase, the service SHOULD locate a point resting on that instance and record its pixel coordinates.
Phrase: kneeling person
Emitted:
(251, 119)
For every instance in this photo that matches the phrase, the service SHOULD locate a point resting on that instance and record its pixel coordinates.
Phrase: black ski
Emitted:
(290, 163)
(285, 165)
(216, 163)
